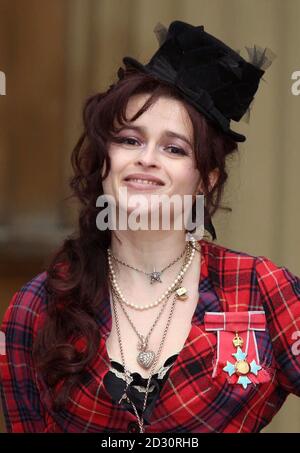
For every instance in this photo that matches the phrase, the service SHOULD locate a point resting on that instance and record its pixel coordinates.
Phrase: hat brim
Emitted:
(129, 61)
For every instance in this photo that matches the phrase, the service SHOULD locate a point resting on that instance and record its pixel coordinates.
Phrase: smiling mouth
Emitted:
(142, 182)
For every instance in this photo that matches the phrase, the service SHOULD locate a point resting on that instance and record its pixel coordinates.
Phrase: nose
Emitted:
(148, 157)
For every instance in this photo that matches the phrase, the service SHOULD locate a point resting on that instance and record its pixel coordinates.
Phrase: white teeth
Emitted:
(144, 181)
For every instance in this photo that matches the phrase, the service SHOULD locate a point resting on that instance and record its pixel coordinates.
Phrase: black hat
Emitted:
(215, 79)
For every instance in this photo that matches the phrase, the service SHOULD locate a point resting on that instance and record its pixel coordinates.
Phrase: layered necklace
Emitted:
(146, 357)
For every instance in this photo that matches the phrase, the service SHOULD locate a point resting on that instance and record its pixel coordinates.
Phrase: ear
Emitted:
(103, 169)
(213, 179)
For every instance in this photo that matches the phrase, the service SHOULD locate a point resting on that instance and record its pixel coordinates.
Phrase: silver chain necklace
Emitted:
(182, 292)
(154, 363)
(127, 372)
(146, 357)
(155, 276)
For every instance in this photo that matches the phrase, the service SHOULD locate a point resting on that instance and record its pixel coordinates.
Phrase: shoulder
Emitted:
(233, 271)
(271, 274)
(27, 306)
(223, 257)
(279, 287)
(225, 260)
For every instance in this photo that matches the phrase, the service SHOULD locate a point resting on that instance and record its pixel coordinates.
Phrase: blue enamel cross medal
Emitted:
(241, 367)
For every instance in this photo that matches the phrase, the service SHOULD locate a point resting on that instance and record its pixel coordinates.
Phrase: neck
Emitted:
(145, 249)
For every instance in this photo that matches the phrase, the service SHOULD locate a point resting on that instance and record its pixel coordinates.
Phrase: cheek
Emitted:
(118, 162)
(186, 179)
(109, 183)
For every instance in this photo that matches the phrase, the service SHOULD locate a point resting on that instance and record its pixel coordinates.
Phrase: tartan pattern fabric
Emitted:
(191, 400)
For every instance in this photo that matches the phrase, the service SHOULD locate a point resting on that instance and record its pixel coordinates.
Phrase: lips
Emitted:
(138, 184)
(139, 178)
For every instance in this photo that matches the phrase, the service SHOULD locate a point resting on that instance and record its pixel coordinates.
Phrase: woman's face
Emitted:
(158, 144)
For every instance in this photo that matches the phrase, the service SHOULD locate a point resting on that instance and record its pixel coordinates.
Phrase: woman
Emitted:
(143, 330)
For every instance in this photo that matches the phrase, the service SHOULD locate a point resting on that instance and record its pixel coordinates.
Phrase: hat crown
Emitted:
(216, 79)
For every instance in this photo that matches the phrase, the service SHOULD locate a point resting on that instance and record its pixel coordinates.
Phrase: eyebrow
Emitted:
(167, 132)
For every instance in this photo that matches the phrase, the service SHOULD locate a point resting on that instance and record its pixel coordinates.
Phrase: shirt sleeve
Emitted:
(280, 292)
(22, 406)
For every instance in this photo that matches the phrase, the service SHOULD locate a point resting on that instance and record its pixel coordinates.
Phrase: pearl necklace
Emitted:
(166, 294)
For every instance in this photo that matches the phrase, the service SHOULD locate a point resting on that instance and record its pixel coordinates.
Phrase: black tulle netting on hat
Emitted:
(217, 80)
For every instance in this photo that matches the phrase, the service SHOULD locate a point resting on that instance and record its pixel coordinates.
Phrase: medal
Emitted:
(237, 348)
(241, 367)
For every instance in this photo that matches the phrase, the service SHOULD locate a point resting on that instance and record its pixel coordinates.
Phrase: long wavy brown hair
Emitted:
(77, 272)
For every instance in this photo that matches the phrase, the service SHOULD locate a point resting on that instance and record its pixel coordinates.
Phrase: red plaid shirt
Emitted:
(198, 396)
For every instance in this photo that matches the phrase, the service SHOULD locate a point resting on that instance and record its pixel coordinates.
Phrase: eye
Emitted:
(180, 151)
(127, 140)
(130, 141)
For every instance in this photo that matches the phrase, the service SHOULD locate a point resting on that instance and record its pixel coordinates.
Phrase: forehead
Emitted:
(164, 113)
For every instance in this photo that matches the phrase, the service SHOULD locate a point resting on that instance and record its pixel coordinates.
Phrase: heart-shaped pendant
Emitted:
(145, 359)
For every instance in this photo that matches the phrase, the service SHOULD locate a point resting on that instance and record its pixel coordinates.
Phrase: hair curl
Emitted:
(78, 271)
